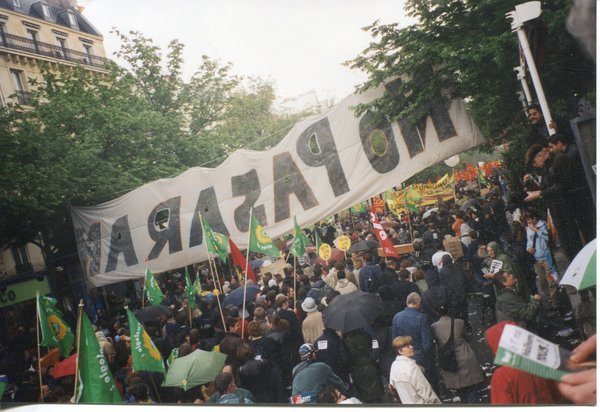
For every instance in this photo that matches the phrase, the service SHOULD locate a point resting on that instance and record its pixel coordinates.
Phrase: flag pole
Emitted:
(79, 317)
(212, 273)
(37, 329)
(246, 272)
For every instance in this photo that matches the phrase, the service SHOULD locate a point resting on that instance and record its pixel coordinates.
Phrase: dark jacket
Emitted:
(511, 306)
(369, 277)
(331, 350)
(364, 370)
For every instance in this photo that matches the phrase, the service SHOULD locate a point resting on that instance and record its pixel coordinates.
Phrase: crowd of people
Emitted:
(277, 345)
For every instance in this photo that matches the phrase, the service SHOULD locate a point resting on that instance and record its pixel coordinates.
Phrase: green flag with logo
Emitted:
(300, 242)
(155, 295)
(216, 242)
(358, 209)
(412, 198)
(96, 384)
(54, 331)
(260, 242)
(144, 355)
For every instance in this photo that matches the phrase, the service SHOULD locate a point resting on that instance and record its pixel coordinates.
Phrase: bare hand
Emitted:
(537, 296)
(552, 125)
(531, 196)
(579, 387)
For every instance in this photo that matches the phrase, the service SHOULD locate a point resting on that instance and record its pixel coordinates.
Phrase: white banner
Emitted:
(326, 163)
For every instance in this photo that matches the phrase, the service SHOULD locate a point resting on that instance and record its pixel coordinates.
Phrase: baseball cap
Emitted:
(306, 350)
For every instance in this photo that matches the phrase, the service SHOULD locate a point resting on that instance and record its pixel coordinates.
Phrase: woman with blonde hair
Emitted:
(406, 376)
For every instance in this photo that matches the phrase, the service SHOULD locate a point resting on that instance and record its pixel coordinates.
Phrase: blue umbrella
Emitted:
(236, 296)
(256, 263)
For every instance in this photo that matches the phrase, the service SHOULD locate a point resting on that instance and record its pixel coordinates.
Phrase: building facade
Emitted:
(53, 32)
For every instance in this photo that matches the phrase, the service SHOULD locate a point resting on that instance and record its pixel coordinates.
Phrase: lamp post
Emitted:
(523, 13)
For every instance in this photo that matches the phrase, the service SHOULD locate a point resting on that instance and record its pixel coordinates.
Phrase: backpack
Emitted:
(369, 279)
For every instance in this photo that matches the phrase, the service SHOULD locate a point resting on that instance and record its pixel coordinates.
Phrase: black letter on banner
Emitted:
(414, 136)
(209, 207)
(328, 155)
(120, 242)
(247, 185)
(288, 179)
(171, 234)
(368, 126)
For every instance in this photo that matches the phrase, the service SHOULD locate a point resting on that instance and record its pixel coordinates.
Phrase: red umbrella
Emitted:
(65, 367)
(336, 256)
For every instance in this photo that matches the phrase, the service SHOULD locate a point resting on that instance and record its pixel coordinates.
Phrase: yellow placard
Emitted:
(325, 251)
(343, 243)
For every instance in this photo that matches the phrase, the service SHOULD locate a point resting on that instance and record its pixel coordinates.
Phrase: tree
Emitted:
(87, 139)
(465, 49)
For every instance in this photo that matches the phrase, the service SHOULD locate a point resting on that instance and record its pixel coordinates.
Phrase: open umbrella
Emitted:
(428, 212)
(470, 203)
(352, 311)
(236, 296)
(581, 273)
(153, 312)
(65, 367)
(363, 245)
(194, 369)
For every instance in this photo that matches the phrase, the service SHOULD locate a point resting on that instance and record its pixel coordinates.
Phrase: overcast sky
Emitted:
(300, 45)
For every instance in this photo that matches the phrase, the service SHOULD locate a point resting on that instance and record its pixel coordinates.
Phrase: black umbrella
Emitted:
(236, 296)
(363, 245)
(352, 311)
(153, 312)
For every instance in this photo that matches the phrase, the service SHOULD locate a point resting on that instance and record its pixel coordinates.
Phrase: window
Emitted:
(88, 52)
(16, 3)
(34, 39)
(72, 19)
(22, 262)
(61, 43)
(45, 10)
(2, 35)
(20, 92)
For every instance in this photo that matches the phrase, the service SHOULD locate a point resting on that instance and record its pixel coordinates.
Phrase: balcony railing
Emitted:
(50, 50)
(24, 98)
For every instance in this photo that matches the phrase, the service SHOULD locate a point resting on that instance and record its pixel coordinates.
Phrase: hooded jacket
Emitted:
(511, 386)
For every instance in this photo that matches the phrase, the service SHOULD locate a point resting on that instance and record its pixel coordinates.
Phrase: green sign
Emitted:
(20, 292)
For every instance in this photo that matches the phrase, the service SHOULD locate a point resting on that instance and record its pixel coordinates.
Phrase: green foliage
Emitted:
(88, 138)
(465, 49)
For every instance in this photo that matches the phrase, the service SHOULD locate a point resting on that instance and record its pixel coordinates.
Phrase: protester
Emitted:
(407, 377)
(469, 373)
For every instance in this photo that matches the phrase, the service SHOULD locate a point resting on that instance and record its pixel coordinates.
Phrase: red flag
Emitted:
(384, 240)
(240, 260)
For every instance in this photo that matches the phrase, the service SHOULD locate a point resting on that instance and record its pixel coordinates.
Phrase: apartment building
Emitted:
(31, 32)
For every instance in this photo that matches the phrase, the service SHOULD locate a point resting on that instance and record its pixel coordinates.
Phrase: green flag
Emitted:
(155, 295)
(260, 242)
(412, 198)
(197, 286)
(215, 242)
(172, 356)
(54, 331)
(317, 242)
(144, 355)
(482, 179)
(358, 209)
(300, 242)
(96, 384)
(189, 287)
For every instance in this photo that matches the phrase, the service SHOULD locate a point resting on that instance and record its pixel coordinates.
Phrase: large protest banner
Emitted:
(326, 163)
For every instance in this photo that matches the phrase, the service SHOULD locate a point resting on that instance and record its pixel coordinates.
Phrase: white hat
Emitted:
(309, 305)
(272, 283)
